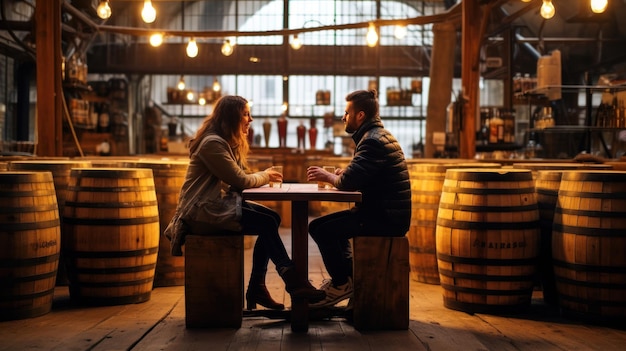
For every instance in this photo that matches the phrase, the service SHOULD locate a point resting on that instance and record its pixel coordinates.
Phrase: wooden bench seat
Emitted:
(381, 283)
(214, 281)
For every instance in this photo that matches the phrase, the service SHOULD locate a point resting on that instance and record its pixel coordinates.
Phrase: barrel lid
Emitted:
(594, 175)
(488, 174)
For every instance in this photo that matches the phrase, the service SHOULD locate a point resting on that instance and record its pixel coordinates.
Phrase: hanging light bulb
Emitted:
(201, 99)
(400, 32)
(104, 10)
(547, 9)
(148, 14)
(216, 85)
(181, 83)
(192, 48)
(599, 6)
(372, 36)
(284, 106)
(190, 96)
(156, 39)
(296, 43)
(227, 48)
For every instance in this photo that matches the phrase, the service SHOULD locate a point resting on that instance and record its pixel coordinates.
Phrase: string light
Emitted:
(216, 85)
(227, 48)
(104, 10)
(296, 43)
(372, 36)
(148, 14)
(181, 83)
(547, 9)
(599, 6)
(192, 48)
(156, 39)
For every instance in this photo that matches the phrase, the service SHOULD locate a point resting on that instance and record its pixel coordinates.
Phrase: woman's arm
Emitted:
(217, 156)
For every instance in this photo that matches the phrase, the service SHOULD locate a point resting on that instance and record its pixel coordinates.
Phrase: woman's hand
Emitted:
(274, 175)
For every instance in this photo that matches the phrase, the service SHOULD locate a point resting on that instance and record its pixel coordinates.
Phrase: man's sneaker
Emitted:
(334, 294)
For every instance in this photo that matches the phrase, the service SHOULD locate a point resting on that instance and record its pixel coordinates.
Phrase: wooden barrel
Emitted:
(426, 183)
(111, 235)
(30, 234)
(61, 175)
(487, 239)
(589, 244)
(547, 189)
(168, 179)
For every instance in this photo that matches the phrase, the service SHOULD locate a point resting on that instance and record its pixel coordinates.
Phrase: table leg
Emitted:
(300, 257)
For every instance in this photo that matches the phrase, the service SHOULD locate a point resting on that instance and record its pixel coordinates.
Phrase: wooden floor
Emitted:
(159, 324)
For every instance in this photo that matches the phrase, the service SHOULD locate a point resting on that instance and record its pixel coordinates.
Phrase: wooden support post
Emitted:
(214, 281)
(381, 283)
(49, 137)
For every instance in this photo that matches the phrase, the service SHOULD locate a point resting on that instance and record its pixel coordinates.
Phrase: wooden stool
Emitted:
(381, 283)
(214, 281)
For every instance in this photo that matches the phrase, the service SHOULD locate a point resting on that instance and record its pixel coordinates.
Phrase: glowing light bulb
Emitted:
(400, 32)
(148, 14)
(104, 10)
(192, 48)
(284, 106)
(227, 48)
(296, 43)
(190, 96)
(156, 39)
(181, 83)
(547, 9)
(599, 6)
(201, 100)
(372, 36)
(216, 85)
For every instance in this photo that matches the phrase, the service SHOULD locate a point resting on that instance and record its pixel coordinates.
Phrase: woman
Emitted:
(216, 173)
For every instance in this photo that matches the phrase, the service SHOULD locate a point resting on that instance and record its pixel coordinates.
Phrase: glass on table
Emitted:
(325, 185)
(279, 184)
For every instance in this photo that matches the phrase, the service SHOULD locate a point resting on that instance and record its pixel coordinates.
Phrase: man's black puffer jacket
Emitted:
(378, 169)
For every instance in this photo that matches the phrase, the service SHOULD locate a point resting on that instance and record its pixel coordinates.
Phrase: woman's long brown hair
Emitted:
(225, 121)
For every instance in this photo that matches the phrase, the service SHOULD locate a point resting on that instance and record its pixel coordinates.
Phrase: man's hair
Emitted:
(366, 101)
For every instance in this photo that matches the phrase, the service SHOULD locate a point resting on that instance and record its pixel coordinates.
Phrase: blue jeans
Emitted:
(263, 221)
(331, 233)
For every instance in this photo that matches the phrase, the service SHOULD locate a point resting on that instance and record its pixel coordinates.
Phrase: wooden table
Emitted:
(300, 195)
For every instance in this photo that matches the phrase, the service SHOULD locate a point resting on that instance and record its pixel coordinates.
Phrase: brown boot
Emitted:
(257, 293)
(301, 288)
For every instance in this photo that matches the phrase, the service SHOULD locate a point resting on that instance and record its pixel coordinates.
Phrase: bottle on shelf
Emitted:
(104, 120)
(496, 129)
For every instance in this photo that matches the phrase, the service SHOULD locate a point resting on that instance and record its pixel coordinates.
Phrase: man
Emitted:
(378, 169)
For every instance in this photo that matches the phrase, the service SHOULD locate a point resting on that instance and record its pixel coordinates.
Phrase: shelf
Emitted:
(570, 129)
(592, 88)
(498, 147)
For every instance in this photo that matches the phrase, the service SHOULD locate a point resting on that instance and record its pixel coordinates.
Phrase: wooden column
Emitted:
(470, 74)
(49, 136)
(441, 73)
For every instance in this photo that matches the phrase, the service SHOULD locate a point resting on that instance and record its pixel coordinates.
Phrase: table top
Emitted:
(301, 192)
